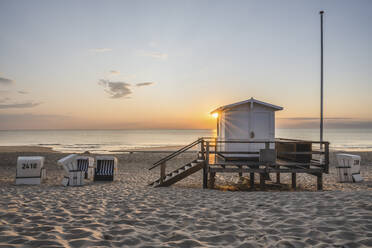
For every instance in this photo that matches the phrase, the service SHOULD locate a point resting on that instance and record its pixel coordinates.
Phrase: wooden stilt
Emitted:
(205, 168)
(278, 178)
(212, 179)
(320, 181)
(240, 173)
(293, 180)
(262, 180)
(205, 177)
(251, 179)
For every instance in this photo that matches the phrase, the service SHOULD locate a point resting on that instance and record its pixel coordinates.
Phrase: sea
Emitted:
(115, 141)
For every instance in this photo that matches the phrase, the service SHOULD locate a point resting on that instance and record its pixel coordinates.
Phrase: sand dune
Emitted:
(127, 213)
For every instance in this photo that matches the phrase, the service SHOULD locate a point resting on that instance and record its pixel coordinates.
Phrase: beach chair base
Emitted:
(65, 181)
(89, 174)
(76, 178)
(103, 178)
(30, 180)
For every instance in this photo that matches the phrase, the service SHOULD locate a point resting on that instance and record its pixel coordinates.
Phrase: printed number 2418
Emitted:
(29, 166)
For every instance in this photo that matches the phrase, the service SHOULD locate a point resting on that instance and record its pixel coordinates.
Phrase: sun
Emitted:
(215, 115)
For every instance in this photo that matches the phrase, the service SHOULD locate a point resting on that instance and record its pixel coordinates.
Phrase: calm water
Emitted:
(104, 141)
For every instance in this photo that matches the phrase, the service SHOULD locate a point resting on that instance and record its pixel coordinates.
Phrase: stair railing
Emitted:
(163, 162)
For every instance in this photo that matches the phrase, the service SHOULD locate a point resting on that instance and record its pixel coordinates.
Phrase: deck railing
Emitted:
(322, 152)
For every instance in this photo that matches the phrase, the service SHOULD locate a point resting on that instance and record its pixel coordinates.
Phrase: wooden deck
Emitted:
(289, 156)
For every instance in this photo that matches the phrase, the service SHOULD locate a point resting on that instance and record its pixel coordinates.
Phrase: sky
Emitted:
(168, 64)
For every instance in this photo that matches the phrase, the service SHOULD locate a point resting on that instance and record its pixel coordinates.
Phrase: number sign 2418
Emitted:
(29, 166)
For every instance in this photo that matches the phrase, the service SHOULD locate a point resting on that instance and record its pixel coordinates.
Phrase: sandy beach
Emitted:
(128, 213)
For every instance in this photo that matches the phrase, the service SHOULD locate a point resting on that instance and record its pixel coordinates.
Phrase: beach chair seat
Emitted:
(106, 167)
(30, 170)
(86, 164)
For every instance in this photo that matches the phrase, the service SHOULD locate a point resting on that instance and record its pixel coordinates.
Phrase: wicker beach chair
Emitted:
(106, 168)
(30, 170)
(77, 168)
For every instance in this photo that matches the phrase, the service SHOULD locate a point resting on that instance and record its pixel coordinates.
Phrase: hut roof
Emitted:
(252, 100)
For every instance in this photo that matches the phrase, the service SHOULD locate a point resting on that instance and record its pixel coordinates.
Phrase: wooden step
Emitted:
(179, 174)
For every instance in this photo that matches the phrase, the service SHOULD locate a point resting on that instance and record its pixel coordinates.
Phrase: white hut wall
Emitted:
(246, 123)
(221, 134)
(237, 126)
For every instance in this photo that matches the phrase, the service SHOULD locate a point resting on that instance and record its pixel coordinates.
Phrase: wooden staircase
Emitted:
(179, 174)
(182, 172)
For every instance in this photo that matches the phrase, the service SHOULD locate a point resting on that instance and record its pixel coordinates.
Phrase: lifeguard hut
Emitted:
(250, 120)
(246, 143)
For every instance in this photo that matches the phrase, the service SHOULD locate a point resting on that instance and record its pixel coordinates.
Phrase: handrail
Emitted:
(170, 156)
(264, 140)
(300, 140)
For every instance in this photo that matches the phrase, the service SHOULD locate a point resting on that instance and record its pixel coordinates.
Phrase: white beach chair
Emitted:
(30, 170)
(76, 168)
(348, 169)
(105, 168)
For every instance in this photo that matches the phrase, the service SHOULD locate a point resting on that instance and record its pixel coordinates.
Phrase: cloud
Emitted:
(100, 50)
(116, 89)
(156, 55)
(22, 92)
(114, 72)
(19, 105)
(144, 84)
(5, 81)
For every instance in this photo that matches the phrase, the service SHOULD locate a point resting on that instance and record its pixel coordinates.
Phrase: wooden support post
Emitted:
(278, 177)
(212, 179)
(293, 180)
(202, 150)
(240, 173)
(205, 169)
(162, 171)
(215, 146)
(251, 179)
(262, 180)
(326, 157)
(319, 182)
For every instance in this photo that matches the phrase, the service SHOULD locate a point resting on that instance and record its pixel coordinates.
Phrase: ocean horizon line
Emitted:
(169, 129)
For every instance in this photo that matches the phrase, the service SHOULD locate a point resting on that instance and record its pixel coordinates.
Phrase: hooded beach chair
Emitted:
(76, 169)
(105, 168)
(30, 170)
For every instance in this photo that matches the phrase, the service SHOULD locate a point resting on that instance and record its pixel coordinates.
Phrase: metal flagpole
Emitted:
(321, 78)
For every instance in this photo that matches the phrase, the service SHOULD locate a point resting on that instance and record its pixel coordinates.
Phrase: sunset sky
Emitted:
(167, 64)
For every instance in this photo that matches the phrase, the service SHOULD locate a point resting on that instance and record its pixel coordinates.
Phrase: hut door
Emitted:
(260, 128)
